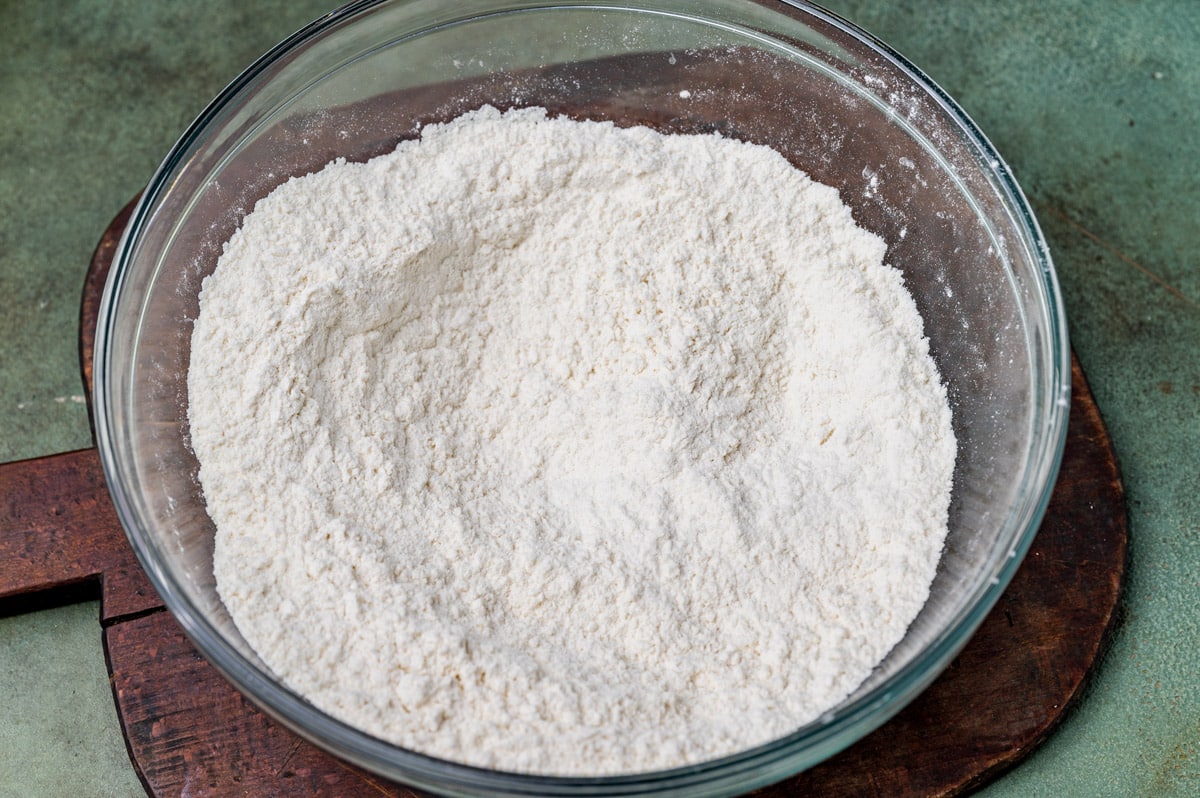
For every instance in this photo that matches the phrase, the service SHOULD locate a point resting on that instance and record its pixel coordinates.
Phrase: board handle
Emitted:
(61, 541)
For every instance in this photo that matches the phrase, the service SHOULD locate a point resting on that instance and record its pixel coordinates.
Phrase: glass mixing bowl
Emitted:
(835, 101)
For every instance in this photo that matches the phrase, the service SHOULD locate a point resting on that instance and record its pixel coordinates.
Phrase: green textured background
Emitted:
(1095, 105)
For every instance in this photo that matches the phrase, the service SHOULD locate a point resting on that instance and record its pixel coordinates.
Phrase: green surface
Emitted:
(1095, 105)
(57, 718)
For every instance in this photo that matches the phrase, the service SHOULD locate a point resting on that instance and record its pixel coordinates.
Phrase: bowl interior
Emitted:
(837, 104)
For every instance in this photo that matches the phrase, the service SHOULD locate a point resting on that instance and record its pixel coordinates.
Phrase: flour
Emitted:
(556, 447)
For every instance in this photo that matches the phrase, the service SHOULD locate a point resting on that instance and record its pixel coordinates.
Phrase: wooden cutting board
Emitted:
(189, 732)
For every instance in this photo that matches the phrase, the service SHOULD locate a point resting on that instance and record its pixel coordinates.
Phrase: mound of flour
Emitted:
(555, 447)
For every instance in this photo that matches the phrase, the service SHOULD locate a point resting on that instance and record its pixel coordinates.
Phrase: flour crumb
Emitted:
(556, 447)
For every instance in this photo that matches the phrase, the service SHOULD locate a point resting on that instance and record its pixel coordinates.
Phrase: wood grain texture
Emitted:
(93, 289)
(190, 733)
(60, 539)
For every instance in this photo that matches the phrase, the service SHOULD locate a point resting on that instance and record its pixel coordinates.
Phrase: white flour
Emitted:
(555, 447)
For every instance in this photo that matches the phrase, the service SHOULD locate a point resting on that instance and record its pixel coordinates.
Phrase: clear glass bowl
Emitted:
(838, 103)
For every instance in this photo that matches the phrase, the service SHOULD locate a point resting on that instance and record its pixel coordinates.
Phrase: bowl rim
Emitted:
(737, 772)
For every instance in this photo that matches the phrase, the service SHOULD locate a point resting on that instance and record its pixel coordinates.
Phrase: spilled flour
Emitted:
(555, 447)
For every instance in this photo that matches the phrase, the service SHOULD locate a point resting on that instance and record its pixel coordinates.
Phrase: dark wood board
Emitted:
(189, 732)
